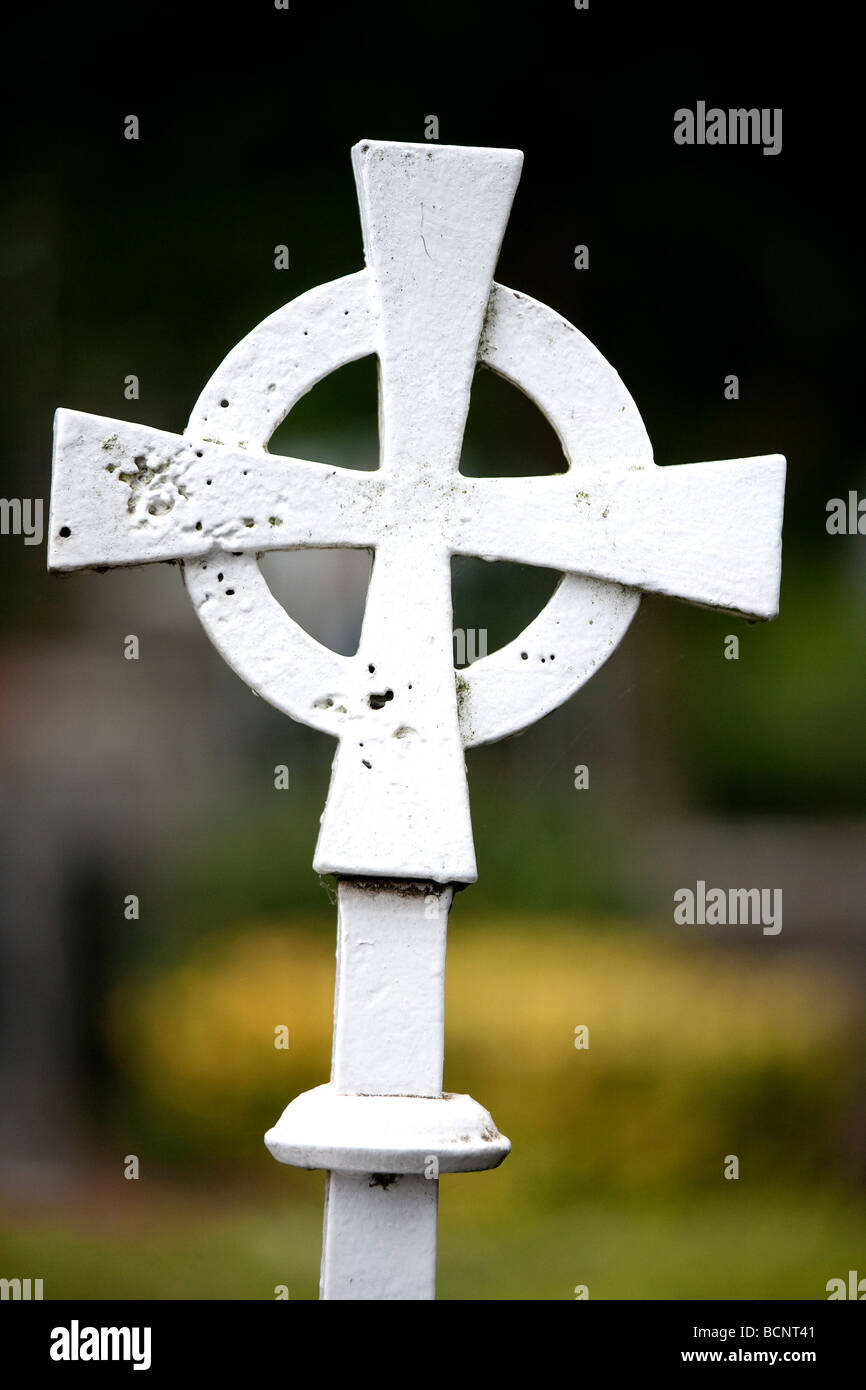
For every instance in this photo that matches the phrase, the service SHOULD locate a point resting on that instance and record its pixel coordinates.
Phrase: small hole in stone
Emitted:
(223, 404)
(199, 453)
(140, 460)
(379, 701)
(371, 668)
(198, 526)
(542, 658)
(552, 657)
(65, 531)
(229, 591)
(366, 764)
(248, 521)
(524, 656)
(219, 578)
(383, 1180)
(209, 481)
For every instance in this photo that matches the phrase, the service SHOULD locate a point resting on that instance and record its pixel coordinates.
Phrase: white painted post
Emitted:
(389, 1032)
(396, 828)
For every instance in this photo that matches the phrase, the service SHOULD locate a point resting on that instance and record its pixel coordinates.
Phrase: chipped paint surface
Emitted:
(615, 524)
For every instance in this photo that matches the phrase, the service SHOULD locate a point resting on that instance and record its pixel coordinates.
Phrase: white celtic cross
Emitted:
(396, 828)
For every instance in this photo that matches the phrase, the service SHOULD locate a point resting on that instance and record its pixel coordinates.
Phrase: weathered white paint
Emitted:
(379, 1242)
(615, 524)
(383, 1111)
(371, 1133)
(390, 950)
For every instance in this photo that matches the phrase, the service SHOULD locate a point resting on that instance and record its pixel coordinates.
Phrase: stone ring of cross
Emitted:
(614, 524)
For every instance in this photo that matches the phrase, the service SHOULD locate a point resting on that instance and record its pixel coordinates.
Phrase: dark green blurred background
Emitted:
(154, 1037)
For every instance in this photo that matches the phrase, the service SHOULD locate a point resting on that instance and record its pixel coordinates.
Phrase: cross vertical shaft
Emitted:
(433, 222)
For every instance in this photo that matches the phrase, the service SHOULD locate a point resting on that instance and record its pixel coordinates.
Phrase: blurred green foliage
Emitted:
(218, 1243)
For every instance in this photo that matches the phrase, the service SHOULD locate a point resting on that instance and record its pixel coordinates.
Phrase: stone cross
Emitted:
(396, 828)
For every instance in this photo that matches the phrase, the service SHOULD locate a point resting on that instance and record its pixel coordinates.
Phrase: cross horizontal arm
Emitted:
(126, 494)
(709, 533)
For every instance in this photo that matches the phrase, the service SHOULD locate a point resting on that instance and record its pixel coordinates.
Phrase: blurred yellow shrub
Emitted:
(695, 1051)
